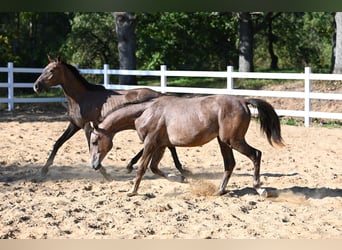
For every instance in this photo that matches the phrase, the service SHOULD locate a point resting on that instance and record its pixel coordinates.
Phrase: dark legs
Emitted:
(178, 165)
(229, 164)
(154, 156)
(133, 161)
(68, 133)
(174, 157)
(153, 159)
(157, 156)
(253, 154)
(145, 160)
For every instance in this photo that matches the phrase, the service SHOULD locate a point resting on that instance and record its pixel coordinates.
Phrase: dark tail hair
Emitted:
(269, 121)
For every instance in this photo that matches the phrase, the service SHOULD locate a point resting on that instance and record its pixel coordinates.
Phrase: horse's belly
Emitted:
(190, 138)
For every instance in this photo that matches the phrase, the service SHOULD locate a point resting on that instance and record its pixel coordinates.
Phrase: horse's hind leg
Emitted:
(229, 164)
(68, 133)
(157, 156)
(254, 155)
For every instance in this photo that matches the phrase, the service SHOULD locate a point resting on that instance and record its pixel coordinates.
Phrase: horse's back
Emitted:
(139, 94)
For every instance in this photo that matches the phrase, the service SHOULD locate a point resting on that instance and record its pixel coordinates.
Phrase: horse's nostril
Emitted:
(36, 87)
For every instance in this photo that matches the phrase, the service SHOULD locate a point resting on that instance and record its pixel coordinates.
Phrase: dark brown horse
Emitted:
(188, 122)
(87, 102)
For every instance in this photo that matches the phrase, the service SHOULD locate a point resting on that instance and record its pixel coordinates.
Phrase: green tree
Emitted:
(196, 40)
(300, 39)
(92, 40)
(27, 37)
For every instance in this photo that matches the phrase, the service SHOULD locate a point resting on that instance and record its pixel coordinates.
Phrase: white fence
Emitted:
(229, 75)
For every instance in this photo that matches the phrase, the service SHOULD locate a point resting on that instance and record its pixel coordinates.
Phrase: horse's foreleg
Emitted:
(145, 160)
(87, 131)
(68, 133)
(157, 156)
(229, 164)
(140, 173)
(178, 165)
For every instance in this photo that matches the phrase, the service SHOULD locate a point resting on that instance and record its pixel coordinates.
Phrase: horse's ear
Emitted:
(59, 59)
(50, 59)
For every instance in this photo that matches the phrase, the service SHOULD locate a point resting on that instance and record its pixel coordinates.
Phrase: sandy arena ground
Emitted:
(74, 201)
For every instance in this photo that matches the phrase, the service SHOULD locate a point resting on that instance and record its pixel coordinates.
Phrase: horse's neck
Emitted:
(73, 88)
(74, 91)
(123, 117)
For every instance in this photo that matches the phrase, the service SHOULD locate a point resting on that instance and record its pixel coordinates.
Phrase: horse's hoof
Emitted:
(131, 194)
(175, 178)
(186, 173)
(44, 171)
(222, 192)
(129, 169)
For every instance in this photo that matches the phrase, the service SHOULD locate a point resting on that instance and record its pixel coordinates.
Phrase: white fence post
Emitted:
(307, 103)
(106, 76)
(230, 81)
(10, 86)
(163, 80)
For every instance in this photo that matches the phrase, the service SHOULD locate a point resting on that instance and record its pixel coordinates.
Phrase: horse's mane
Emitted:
(126, 104)
(86, 84)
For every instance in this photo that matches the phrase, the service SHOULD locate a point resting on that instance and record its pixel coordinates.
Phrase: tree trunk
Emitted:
(271, 40)
(338, 48)
(245, 43)
(333, 47)
(125, 30)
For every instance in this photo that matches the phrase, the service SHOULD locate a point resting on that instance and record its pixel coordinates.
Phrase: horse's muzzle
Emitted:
(95, 162)
(37, 87)
(40, 86)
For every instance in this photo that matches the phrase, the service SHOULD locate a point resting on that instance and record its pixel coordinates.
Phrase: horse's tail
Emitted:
(269, 121)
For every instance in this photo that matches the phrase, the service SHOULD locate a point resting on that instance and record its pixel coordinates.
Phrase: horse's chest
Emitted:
(75, 116)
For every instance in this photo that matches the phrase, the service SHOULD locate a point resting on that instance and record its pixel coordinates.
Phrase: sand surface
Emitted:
(74, 201)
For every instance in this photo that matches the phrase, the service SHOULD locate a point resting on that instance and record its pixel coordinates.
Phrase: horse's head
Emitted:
(51, 76)
(100, 145)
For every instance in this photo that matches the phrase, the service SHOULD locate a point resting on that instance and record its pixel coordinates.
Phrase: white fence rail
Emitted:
(163, 73)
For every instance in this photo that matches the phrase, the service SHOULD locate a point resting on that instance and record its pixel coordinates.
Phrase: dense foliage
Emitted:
(196, 41)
